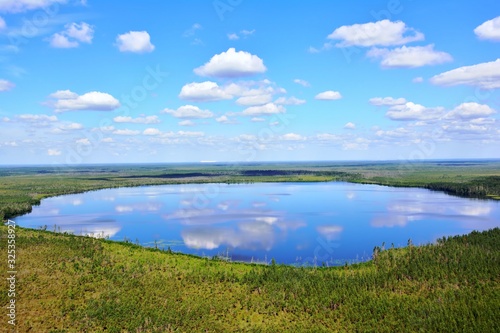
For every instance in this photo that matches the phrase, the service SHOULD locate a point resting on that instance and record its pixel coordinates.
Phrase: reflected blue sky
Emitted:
(294, 223)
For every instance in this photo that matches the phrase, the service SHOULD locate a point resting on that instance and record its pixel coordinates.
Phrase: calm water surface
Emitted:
(294, 223)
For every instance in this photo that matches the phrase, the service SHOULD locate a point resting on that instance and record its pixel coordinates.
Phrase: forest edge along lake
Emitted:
(295, 223)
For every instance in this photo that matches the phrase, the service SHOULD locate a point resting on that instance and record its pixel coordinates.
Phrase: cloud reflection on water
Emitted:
(401, 212)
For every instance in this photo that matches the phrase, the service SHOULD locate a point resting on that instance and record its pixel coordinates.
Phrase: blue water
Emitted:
(294, 223)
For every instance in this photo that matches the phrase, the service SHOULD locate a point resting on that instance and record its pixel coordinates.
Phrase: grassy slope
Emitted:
(21, 188)
(79, 284)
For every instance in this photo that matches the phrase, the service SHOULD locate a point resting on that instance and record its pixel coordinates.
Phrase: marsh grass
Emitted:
(71, 283)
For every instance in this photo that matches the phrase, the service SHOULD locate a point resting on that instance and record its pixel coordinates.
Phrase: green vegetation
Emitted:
(69, 283)
(21, 188)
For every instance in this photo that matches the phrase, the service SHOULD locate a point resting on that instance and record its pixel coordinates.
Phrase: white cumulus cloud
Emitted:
(489, 30)
(138, 120)
(254, 99)
(292, 137)
(386, 101)
(36, 118)
(266, 109)
(126, 132)
(289, 101)
(384, 33)
(485, 75)
(203, 92)
(224, 120)
(470, 110)
(66, 100)
(232, 64)
(350, 125)
(410, 56)
(303, 83)
(135, 41)
(328, 95)
(186, 122)
(151, 131)
(189, 111)
(72, 36)
(412, 111)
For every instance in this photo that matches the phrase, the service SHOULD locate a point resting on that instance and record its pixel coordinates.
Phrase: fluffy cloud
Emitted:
(72, 36)
(418, 79)
(6, 85)
(292, 137)
(186, 123)
(3, 25)
(350, 125)
(465, 128)
(257, 119)
(224, 120)
(203, 92)
(250, 92)
(485, 75)
(66, 100)
(266, 109)
(255, 99)
(289, 101)
(489, 29)
(36, 118)
(384, 33)
(19, 6)
(66, 127)
(470, 111)
(135, 41)
(151, 131)
(397, 133)
(83, 141)
(413, 56)
(328, 95)
(53, 152)
(189, 111)
(328, 137)
(412, 111)
(138, 120)
(231, 64)
(386, 101)
(126, 132)
(245, 33)
(303, 83)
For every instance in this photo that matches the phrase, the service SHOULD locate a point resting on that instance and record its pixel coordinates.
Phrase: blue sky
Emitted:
(230, 80)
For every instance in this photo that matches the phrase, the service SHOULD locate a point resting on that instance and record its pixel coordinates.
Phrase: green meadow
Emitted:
(68, 283)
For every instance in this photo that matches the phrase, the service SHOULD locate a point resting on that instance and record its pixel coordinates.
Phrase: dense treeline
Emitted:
(70, 283)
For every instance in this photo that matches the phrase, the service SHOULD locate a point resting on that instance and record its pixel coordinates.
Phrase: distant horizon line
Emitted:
(62, 165)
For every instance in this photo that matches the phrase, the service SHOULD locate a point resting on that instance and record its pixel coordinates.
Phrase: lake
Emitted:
(294, 223)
